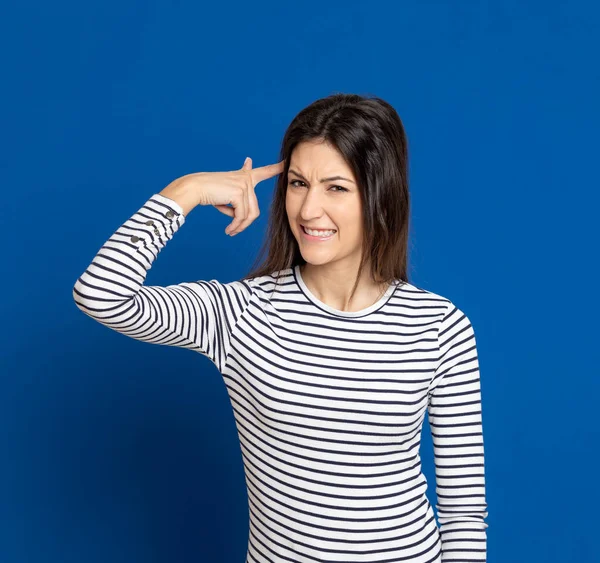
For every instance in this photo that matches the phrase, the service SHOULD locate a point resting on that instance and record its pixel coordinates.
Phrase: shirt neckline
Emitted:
(377, 305)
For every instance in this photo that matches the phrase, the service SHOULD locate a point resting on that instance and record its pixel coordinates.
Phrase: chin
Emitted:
(312, 261)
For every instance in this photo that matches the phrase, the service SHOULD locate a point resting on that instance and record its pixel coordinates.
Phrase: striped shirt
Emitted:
(329, 405)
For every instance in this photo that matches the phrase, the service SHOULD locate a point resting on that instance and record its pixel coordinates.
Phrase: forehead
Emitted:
(318, 156)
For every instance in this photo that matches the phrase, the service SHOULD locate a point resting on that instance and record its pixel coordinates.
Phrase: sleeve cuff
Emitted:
(169, 203)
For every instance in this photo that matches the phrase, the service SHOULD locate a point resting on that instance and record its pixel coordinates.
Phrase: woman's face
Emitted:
(322, 193)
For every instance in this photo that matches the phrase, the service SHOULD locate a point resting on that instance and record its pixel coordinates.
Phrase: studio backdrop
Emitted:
(123, 451)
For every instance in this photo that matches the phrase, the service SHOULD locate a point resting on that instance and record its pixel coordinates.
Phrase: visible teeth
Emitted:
(319, 233)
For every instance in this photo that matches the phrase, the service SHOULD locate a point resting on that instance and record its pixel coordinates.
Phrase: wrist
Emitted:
(183, 192)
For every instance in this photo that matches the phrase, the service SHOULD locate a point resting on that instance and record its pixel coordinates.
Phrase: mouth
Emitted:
(317, 238)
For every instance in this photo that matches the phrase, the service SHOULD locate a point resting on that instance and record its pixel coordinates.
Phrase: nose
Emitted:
(312, 206)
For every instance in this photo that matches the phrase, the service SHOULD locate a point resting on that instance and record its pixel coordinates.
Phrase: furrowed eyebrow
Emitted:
(331, 179)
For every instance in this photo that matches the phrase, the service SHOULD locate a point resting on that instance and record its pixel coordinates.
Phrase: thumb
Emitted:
(247, 164)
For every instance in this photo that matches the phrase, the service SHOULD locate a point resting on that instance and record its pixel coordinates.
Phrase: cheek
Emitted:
(351, 223)
(288, 203)
(291, 215)
(352, 233)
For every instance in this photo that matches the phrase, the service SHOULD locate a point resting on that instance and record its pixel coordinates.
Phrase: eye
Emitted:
(340, 188)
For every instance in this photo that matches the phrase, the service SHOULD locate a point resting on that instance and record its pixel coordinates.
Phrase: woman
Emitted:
(330, 356)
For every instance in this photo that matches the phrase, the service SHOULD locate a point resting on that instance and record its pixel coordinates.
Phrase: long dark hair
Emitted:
(369, 134)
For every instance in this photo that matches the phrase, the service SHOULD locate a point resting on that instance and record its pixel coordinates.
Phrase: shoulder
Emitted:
(421, 296)
(268, 282)
(436, 306)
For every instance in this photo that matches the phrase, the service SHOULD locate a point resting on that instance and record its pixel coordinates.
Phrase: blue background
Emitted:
(122, 451)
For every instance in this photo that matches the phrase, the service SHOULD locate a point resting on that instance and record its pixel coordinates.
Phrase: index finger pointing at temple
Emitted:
(264, 172)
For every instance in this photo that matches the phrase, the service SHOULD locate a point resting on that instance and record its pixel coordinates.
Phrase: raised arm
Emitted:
(455, 419)
(196, 315)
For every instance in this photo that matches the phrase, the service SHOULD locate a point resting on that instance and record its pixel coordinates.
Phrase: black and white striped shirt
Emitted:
(329, 405)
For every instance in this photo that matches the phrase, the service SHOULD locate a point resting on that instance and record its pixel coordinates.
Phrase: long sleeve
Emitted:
(198, 315)
(455, 418)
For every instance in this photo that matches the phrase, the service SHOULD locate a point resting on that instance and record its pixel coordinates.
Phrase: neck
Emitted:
(332, 284)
